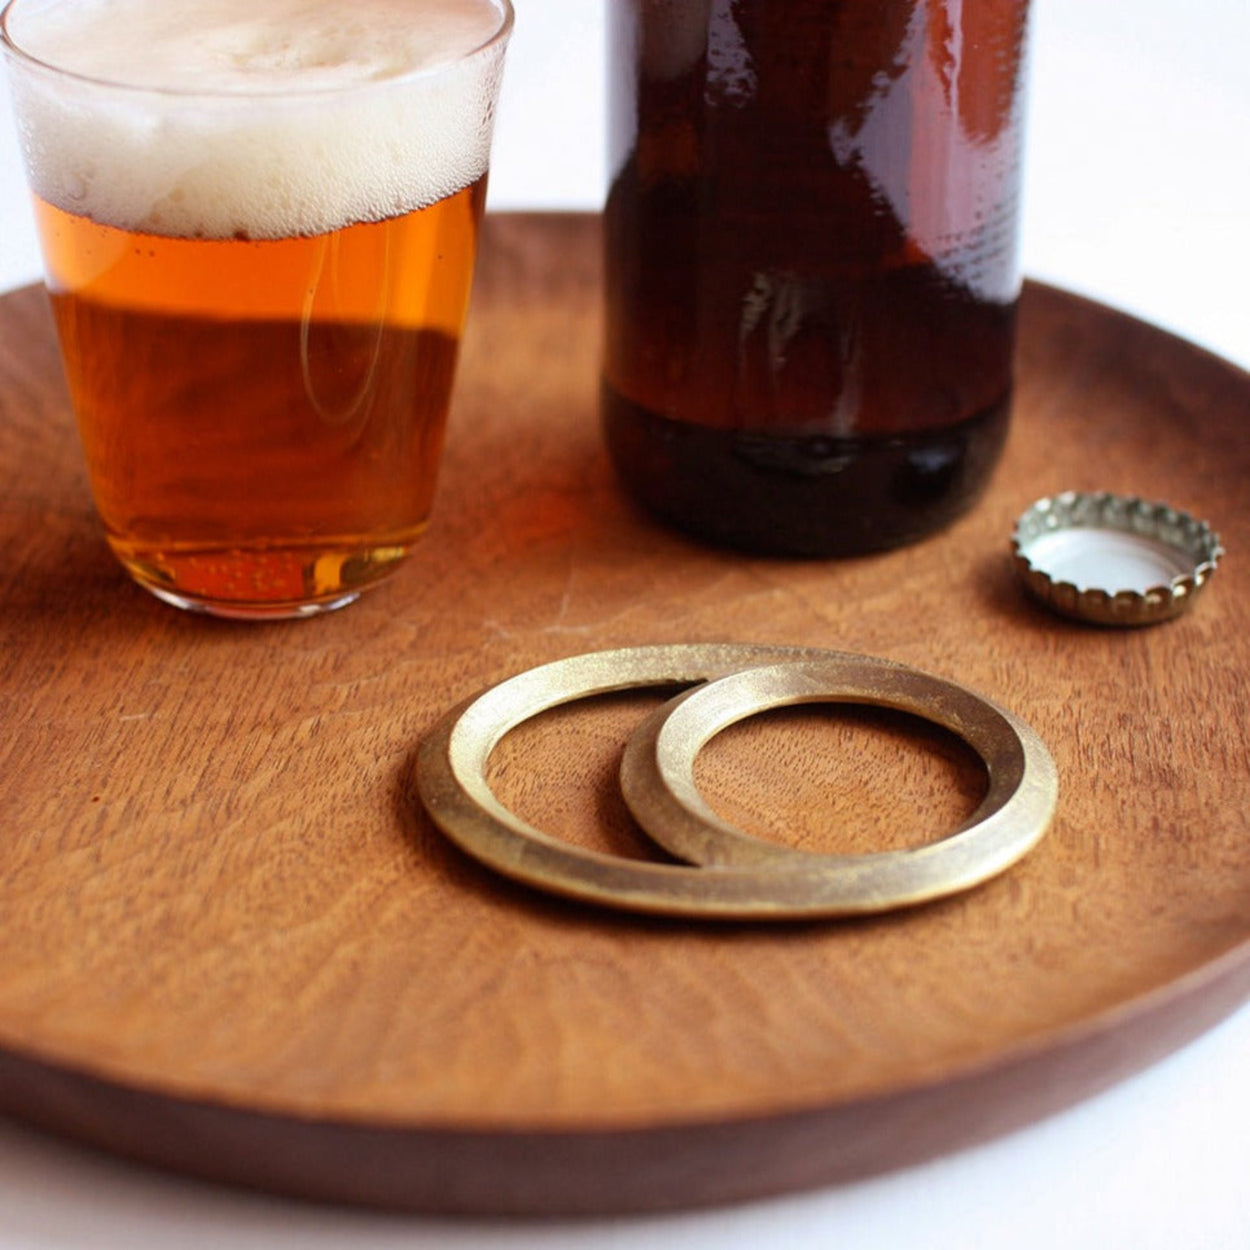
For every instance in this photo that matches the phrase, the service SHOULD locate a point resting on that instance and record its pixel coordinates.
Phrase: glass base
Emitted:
(263, 584)
(250, 611)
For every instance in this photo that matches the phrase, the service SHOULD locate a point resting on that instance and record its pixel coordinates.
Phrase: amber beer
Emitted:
(275, 440)
(811, 264)
(262, 399)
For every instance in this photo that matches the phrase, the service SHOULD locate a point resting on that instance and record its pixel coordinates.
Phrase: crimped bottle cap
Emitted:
(1111, 559)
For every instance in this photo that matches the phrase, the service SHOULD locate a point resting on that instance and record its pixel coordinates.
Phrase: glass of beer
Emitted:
(259, 223)
(811, 263)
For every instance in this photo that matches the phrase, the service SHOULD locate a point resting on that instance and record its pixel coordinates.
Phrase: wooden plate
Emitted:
(231, 943)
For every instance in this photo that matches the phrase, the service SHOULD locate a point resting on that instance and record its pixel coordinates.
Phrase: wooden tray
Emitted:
(231, 943)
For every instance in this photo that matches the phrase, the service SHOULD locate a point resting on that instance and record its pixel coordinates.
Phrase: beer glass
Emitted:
(259, 225)
(811, 263)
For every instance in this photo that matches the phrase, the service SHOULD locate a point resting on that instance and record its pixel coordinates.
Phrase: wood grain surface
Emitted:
(232, 944)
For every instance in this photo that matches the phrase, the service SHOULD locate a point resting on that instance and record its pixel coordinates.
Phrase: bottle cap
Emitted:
(1113, 560)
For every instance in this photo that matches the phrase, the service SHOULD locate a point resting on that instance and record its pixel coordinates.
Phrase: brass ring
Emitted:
(450, 772)
(657, 779)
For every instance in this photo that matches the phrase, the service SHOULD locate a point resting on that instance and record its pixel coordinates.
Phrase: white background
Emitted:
(1137, 194)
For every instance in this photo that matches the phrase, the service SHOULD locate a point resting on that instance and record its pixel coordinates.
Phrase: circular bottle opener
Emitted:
(451, 780)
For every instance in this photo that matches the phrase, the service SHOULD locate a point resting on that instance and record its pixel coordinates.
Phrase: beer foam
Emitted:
(256, 118)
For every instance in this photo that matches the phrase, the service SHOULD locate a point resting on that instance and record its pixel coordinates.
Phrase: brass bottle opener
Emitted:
(739, 877)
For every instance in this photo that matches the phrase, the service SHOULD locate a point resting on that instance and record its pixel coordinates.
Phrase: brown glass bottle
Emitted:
(811, 267)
